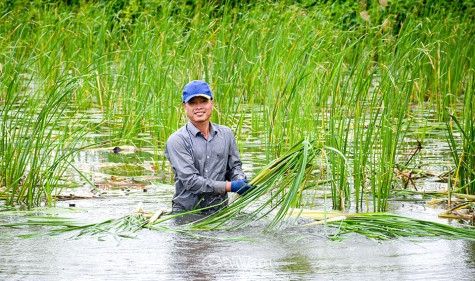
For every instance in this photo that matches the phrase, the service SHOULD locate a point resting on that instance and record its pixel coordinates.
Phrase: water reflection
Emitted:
(103, 156)
(192, 258)
(295, 253)
(469, 249)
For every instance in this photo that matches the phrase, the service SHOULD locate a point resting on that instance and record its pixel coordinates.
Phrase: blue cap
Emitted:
(196, 88)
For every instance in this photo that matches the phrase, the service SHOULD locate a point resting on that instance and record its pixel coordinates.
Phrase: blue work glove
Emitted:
(240, 186)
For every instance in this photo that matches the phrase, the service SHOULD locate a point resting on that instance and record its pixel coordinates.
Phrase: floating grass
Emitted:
(385, 226)
(378, 226)
(123, 227)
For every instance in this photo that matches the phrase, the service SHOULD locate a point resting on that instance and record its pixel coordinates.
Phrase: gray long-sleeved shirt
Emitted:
(201, 166)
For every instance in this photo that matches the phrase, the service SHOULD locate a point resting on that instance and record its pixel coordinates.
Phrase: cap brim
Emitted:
(198, 95)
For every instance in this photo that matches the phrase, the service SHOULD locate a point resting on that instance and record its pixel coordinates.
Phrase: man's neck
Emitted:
(203, 127)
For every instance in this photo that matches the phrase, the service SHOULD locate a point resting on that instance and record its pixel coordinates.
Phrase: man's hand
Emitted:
(240, 186)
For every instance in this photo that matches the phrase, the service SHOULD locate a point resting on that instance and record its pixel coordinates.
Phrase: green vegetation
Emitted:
(349, 75)
(385, 226)
(378, 226)
(284, 179)
(37, 141)
(464, 158)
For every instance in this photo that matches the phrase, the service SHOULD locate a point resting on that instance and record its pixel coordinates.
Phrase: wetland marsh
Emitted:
(90, 91)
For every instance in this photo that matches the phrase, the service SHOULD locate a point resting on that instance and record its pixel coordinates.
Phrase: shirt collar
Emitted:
(195, 131)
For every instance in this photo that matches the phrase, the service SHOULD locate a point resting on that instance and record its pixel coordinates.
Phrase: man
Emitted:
(204, 156)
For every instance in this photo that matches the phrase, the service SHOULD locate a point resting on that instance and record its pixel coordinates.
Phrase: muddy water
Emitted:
(293, 254)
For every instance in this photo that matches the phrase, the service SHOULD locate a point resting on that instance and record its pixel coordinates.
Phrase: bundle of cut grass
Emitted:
(384, 226)
(283, 180)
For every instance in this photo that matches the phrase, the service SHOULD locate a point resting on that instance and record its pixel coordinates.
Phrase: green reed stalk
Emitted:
(35, 143)
(279, 72)
(463, 152)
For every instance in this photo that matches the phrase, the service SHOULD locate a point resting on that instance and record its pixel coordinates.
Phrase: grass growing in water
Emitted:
(279, 72)
(37, 143)
(283, 182)
(463, 152)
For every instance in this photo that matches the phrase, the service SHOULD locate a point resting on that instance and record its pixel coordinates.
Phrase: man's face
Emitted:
(199, 109)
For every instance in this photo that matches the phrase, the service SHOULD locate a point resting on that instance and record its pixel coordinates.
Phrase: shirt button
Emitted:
(206, 170)
(207, 156)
